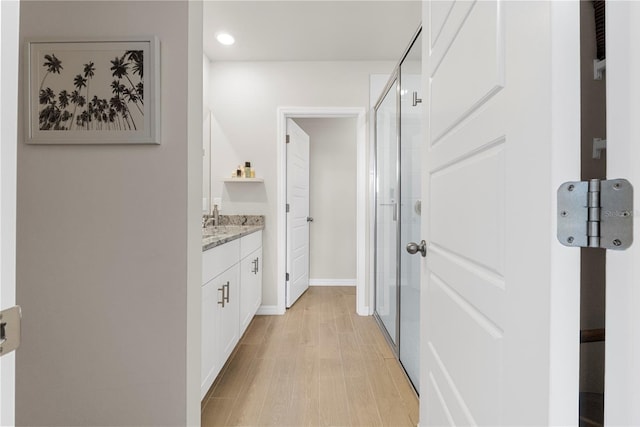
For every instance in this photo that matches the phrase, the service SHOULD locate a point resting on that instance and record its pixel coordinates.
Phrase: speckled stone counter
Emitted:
(234, 227)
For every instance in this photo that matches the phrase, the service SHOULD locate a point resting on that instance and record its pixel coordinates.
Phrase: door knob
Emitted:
(414, 248)
(309, 219)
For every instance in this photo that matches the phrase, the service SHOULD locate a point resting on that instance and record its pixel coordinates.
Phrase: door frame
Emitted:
(284, 113)
(9, 15)
(622, 344)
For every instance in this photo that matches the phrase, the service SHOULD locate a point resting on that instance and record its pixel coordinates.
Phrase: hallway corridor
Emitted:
(318, 365)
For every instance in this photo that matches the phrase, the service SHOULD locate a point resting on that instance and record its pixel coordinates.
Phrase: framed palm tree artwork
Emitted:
(93, 91)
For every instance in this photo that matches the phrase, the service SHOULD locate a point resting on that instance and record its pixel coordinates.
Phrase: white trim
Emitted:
(283, 113)
(332, 282)
(9, 27)
(193, 206)
(622, 345)
(564, 313)
(270, 310)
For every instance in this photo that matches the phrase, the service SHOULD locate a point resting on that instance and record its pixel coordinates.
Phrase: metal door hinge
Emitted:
(287, 139)
(287, 207)
(10, 329)
(596, 214)
(287, 277)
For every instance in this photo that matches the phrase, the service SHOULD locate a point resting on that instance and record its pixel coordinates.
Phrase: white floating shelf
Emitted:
(243, 180)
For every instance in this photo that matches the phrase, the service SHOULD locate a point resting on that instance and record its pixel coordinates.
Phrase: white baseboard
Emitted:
(332, 282)
(269, 310)
(364, 311)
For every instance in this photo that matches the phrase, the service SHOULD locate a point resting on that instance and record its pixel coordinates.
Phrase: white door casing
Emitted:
(9, 36)
(298, 200)
(622, 345)
(364, 305)
(500, 295)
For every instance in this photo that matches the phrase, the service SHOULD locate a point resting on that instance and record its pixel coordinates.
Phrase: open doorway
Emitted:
(357, 115)
(592, 260)
(330, 221)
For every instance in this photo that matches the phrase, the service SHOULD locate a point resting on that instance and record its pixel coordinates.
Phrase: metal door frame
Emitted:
(394, 79)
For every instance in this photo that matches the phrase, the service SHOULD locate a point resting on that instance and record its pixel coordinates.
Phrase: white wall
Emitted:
(105, 258)
(244, 98)
(332, 191)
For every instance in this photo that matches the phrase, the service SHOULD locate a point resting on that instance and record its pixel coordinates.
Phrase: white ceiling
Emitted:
(309, 30)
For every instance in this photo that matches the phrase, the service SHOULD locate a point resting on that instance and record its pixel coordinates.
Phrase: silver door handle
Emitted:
(395, 209)
(10, 329)
(309, 219)
(416, 100)
(413, 248)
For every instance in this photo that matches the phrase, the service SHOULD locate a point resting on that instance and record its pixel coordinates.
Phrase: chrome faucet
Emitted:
(216, 217)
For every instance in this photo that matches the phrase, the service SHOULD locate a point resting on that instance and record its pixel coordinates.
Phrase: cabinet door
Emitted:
(209, 364)
(250, 287)
(228, 332)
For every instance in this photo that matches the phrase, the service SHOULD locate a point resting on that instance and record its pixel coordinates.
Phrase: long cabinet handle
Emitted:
(221, 302)
(226, 285)
(255, 266)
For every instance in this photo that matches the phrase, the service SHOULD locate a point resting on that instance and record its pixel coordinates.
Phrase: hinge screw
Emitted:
(563, 213)
(617, 242)
(570, 239)
(616, 185)
(571, 187)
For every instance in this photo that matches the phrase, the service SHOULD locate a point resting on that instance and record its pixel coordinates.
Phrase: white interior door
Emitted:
(500, 295)
(298, 215)
(9, 19)
(622, 345)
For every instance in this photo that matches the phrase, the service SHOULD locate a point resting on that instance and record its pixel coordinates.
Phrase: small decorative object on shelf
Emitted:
(244, 174)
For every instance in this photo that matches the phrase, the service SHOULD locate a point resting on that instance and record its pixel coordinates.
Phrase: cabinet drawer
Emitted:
(218, 259)
(250, 243)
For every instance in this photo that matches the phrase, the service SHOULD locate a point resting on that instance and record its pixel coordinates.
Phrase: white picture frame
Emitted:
(98, 91)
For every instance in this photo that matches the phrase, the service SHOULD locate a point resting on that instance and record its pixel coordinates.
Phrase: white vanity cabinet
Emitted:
(220, 309)
(250, 277)
(231, 295)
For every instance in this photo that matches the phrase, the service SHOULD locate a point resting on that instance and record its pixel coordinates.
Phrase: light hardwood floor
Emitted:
(318, 365)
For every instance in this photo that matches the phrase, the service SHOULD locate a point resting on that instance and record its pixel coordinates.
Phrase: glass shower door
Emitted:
(387, 195)
(410, 208)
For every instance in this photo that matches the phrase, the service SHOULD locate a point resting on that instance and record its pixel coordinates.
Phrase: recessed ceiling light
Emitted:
(225, 39)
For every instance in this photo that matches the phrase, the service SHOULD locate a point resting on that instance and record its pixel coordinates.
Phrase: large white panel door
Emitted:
(622, 346)
(500, 295)
(298, 215)
(9, 35)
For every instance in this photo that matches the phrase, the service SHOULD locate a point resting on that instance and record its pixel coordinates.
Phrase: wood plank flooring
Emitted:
(318, 365)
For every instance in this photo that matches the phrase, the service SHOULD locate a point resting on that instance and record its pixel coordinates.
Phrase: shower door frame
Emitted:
(394, 79)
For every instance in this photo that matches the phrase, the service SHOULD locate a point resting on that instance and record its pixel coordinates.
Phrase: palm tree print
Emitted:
(53, 65)
(88, 102)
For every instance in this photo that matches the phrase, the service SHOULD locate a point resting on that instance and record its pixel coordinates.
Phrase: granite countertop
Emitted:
(234, 227)
(221, 234)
